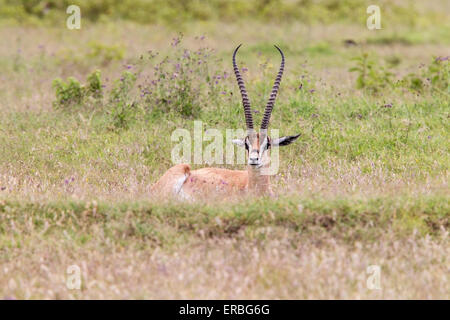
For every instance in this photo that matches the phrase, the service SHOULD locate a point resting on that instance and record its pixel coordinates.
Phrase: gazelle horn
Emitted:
(245, 100)
(273, 94)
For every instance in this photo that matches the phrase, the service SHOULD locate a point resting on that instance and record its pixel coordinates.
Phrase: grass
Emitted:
(249, 250)
(365, 184)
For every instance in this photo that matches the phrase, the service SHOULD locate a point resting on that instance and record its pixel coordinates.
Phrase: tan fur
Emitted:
(258, 184)
(211, 182)
(215, 181)
(166, 183)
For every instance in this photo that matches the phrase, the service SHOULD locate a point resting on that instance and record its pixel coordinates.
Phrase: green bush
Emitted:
(371, 75)
(180, 83)
(122, 108)
(71, 93)
(183, 82)
(374, 77)
(67, 93)
(94, 85)
(438, 73)
(172, 87)
(435, 77)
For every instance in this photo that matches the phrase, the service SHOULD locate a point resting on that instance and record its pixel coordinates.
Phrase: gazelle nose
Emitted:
(253, 160)
(253, 157)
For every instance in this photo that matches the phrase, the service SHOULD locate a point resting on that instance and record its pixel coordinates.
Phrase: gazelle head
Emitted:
(258, 144)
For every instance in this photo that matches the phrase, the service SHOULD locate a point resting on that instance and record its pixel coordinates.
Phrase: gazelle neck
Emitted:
(258, 183)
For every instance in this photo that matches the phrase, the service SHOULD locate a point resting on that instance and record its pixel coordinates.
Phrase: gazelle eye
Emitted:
(266, 144)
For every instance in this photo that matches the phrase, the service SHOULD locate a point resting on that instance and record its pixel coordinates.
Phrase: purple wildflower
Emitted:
(175, 41)
(442, 58)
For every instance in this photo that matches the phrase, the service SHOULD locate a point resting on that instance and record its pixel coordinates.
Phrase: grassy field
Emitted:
(365, 184)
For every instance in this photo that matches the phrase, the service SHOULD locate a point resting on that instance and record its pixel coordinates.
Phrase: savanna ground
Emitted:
(365, 184)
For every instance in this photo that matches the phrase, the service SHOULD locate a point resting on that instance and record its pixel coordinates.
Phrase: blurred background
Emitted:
(173, 13)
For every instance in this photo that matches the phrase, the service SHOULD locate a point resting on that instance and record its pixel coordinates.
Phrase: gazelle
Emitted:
(180, 181)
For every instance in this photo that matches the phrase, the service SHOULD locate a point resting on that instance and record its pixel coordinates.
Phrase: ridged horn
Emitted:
(273, 94)
(245, 100)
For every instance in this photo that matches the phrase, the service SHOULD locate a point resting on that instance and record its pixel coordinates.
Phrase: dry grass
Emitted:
(284, 249)
(411, 268)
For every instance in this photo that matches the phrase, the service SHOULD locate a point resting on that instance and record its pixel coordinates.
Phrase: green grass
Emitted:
(344, 219)
(409, 139)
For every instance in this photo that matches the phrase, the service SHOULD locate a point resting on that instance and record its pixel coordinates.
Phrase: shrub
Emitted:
(183, 82)
(123, 109)
(122, 87)
(435, 77)
(180, 84)
(94, 85)
(438, 73)
(374, 77)
(67, 93)
(371, 75)
(72, 93)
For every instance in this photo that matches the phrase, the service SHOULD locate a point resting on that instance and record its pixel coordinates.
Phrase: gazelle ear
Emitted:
(284, 141)
(239, 142)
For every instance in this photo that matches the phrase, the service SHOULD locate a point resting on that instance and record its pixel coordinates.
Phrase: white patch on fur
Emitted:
(179, 184)
(178, 187)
